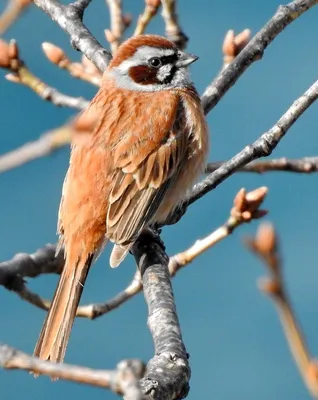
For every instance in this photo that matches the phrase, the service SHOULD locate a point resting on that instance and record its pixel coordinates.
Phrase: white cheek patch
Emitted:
(124, 67)
(164, 72)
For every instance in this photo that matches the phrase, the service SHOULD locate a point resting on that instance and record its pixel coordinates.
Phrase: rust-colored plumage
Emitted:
(146, 149)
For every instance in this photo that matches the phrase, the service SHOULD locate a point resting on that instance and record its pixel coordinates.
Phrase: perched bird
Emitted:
(147, 148)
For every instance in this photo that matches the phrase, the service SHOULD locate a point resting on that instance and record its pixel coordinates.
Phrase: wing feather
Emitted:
(146, 166)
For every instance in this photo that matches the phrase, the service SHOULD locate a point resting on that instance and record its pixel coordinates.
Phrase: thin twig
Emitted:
(246, 208)
(151, 9)
(77, 70)
(45, 145)
(118, 24)
(70, 19)
(10, 60)
(253, 51)
(11, 13)
(265, 246)
(122, 380)
(304, 165)
(96, 310)
(233, 45)
(173, 29)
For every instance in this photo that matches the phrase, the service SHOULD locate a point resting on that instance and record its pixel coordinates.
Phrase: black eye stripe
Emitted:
(169, 59)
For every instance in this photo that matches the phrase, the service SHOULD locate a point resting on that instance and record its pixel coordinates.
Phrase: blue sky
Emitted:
(231, 330)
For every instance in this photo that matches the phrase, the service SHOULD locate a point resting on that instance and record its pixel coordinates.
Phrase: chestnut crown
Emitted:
(150, 63)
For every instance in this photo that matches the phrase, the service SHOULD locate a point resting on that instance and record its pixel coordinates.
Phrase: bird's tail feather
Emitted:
(56, 329)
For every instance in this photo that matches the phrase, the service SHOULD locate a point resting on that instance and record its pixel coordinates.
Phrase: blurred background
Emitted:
(230, 329)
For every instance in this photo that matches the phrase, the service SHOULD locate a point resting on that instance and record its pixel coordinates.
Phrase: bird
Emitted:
(147, 147)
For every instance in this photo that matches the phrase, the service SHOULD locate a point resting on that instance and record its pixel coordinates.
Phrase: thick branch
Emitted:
(253, 51)
(43, 261)
(70, 19)
(123, 380)
(168, 372)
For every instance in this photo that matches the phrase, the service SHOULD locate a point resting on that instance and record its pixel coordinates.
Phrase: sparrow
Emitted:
(147, 147)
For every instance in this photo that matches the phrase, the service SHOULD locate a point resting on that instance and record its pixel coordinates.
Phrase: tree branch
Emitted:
(70, 19)
(151, 9)
(253, 51)
(85, 70)
(118, 24)
(123, 380)
(304, 165)
(233, 44)
(43, 261)
(262, 147)
(10, 60)
(245, 208)
(265, 246)
(173, 29)
(45, 145)
(168, 372)
(96, 310)
(12, 12)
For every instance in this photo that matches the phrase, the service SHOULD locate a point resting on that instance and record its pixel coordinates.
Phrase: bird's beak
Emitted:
(185, 59)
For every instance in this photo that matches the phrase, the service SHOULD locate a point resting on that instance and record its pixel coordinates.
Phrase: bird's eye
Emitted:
(155, 62)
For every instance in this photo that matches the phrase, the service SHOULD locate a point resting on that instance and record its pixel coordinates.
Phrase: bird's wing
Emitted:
(146, 162)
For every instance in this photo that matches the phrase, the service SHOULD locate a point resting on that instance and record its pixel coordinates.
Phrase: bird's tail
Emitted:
(56, 329)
